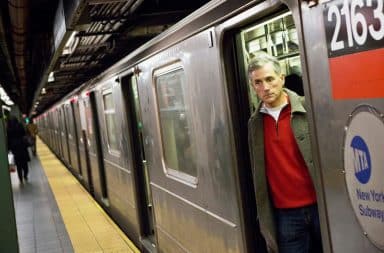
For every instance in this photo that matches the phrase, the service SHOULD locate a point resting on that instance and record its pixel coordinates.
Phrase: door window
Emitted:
(176, 126)
(110, 122)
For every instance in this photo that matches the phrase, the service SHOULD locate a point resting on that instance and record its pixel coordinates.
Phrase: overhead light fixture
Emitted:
(43, 91)
(71, 44)
(51, 77)
(5, 98)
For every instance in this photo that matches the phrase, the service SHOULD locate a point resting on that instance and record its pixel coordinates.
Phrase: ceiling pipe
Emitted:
(18, 16)
(96, 2)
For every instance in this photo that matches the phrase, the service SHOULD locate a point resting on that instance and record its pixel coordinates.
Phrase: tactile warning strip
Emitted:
(89, 227)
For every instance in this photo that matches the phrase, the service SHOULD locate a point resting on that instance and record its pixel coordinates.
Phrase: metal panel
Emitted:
(213, 225)
(83, 144)
(67, 135)
(72, 138)
(53, 131)
(78, 134)
(94, 156)
(63, 135)
(57, 132)
(329, 118)
(118, 165)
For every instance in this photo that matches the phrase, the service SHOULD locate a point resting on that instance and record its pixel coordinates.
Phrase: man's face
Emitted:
(268, 85)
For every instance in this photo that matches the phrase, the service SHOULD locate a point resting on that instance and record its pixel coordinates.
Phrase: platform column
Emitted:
(8, 232)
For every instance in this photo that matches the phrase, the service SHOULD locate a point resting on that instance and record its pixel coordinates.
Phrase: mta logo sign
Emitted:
(362, 159)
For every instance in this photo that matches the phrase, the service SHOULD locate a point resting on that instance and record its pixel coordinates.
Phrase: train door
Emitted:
(78, 135)
(54, 131)
(72, 159)
(84, 142)
(188, 149)
(118, 159)
(49, 129)
(57, 132)
(140, 169)
(60, 133)
(270, 28)
(63, 134)
(94, 149)
(72, 137)
(64, 125)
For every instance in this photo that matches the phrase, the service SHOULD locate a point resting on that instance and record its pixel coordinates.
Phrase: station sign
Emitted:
(354, 32)
(364, 170)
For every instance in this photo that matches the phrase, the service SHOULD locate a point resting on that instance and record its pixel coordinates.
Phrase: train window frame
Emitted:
(177, 175)
(108, 91)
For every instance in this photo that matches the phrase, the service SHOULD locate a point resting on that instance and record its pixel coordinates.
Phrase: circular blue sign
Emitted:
(362, 159)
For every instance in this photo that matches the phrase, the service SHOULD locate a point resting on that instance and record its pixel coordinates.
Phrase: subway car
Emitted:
(160, 138)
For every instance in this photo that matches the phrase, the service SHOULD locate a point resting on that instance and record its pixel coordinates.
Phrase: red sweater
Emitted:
(288, 177)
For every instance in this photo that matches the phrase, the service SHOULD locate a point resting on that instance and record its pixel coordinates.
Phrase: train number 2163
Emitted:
(355, 22)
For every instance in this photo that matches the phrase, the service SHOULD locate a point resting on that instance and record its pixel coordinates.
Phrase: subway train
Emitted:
(160, 138)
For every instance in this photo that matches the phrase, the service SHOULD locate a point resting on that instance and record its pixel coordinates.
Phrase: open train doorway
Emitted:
(141, 174)
(263, 30)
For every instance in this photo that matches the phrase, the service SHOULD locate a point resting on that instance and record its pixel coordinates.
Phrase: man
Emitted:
(282, 164)
(16, 144)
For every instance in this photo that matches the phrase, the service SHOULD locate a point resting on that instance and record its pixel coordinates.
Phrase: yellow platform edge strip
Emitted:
(46, 155)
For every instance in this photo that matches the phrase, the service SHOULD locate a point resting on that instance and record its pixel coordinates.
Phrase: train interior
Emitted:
(278, 37)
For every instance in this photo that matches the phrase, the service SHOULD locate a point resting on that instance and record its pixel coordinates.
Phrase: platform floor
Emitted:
(54, 213)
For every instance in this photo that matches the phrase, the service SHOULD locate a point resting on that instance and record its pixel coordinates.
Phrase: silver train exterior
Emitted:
(160, 138)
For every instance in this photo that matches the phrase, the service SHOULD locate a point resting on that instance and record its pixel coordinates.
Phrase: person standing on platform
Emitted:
(282, 166)
(16, 137)
(32, 131)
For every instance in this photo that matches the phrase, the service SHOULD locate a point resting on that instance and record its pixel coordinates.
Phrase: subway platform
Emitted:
(55, 214)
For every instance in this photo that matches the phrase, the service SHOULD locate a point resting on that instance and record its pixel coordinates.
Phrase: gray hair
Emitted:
(260, 59)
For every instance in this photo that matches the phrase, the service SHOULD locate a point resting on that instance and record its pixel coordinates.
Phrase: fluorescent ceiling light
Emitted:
(4, 97)
(51, 77)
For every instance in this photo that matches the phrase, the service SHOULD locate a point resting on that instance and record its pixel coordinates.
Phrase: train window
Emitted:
(88, 116)
(70, 124)
(176, 123)
(110, 122)
(278, 37)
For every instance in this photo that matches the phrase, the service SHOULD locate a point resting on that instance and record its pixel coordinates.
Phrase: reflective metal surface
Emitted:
(329, 117)
(197, 217)
(118, 163)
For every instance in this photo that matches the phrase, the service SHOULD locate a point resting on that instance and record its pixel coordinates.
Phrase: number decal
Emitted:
(356, 19)
(377, 14)
(335, 45)
(354, 24)
(345, 11)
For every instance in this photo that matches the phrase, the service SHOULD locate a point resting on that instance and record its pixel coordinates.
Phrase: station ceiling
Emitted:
(74, 39)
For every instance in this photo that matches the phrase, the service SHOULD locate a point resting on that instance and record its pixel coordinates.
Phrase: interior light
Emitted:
(51, 77)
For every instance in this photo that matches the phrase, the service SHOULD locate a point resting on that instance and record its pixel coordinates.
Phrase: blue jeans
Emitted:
(298, 230)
